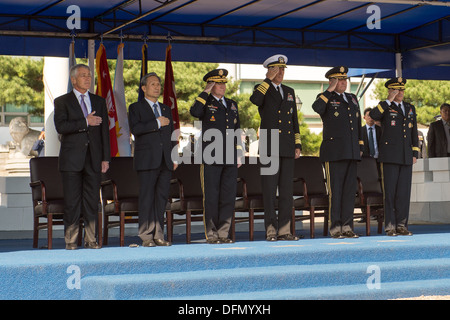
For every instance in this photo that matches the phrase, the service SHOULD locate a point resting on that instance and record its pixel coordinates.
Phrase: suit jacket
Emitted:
(437, 140)
(342, 131)
(399, 141)
(151, 143)
(366, 151)
(215, 116)
(278, 113)
(77, 136)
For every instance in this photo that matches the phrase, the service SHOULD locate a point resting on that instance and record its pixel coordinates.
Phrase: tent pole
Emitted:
(398, 64)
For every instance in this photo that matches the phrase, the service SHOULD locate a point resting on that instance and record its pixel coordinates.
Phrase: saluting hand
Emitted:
(392, 94)
(209, 86)
(332, 84)
(272, 72)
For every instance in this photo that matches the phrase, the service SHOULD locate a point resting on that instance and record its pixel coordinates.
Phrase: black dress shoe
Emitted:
(225, 240)
(162, 242)
(402, 231)
(271, 238)
(350, 234)
(288, 237)
(92, 245)
(148, 243)
(391, 233)
(213, 240)
(337, 235)
(71, 246)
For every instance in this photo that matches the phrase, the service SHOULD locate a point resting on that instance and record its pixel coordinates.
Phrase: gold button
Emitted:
(279, 131)
(279, 121)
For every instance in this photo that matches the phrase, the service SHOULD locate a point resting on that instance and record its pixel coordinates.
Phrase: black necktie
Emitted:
(371, 143)
(399, 105)
(279, 91)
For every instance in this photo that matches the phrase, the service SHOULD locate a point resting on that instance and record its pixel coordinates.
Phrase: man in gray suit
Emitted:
(152, 126)
(82, 120)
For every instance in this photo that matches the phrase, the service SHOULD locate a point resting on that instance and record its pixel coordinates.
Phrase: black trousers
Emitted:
(81, 199)
(219, 196)
(342, 182)
(154, 188)
(397, 193)
(283, 181)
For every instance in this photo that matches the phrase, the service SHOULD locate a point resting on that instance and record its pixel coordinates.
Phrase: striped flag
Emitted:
(123, 132)
(144, 69)
(170, 94)
(104, 89)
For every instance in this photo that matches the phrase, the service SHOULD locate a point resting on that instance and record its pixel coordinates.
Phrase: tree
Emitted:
(21, 82)
(426, 95)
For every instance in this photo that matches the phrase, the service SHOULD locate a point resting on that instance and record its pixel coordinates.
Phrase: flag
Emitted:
(104, 89)
(123, 130)
(144, 69)
(72, 62)
(170, 95)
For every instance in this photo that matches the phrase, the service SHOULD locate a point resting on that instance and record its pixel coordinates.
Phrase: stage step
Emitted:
(321, 268)
(389, 290)
(329, 281)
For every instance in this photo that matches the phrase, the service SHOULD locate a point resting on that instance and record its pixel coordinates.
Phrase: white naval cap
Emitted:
(276, 60)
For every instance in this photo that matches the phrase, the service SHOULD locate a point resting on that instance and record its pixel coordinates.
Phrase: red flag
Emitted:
(170, 95)
(104, 89)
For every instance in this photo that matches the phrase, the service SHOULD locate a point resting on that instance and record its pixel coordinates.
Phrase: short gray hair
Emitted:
(74, 69)
(148, 75)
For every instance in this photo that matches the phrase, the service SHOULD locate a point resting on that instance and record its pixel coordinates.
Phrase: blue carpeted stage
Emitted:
(375, 267)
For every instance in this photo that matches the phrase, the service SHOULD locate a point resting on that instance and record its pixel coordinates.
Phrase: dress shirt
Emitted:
(151, 103)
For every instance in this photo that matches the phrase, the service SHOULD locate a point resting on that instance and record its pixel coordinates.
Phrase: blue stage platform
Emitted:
(375, 267)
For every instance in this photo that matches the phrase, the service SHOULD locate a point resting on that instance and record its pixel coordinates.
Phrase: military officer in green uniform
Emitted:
(398, 151)
(340, 150)
(277, 109)
(220, 118)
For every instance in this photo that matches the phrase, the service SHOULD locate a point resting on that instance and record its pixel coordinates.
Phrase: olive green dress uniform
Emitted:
(218, 177)
(280, 113)
(340, 150)
(399, 143)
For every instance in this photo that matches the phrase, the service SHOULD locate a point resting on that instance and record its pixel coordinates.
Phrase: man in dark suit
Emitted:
(399, 147)
(219, 169)
(152, 126)
(439, 134)
(371, 134)
(340, 150)
(82, 120)
(278, 112)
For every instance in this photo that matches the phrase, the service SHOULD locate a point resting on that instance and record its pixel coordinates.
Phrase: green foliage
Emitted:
(21, 82)
(426, 95)
(310, 141)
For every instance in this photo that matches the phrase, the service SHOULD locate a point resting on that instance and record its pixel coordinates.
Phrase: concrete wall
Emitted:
(16, 212)
(430, 191)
